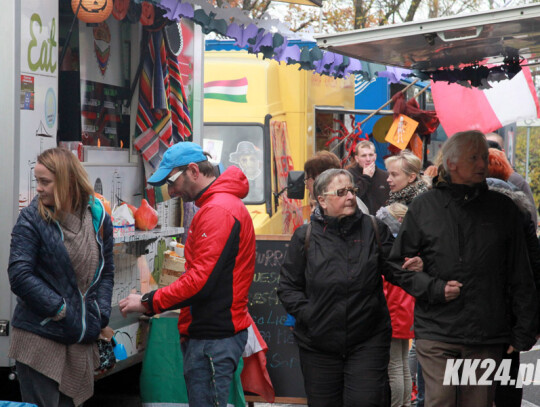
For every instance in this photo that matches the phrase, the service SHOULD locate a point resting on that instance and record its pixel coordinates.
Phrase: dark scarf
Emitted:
(407, 194)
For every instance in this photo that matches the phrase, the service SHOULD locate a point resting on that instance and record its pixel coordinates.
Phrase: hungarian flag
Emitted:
(254, 376)
(230, 90)
(507, 101)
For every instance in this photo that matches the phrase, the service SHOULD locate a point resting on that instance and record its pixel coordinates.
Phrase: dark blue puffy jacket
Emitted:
(42, 277)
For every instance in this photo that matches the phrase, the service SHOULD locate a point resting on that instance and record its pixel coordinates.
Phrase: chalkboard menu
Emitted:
(282, 361)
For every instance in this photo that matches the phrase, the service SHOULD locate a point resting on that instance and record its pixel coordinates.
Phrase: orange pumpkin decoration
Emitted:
(120, 9)
(92, 11)
(146, 217)
(132, 208)
(147, 13)
(105, 203)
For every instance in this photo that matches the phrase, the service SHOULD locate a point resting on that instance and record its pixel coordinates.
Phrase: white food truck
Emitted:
(85, 103)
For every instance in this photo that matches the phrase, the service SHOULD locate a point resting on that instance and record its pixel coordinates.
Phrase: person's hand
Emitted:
(106, 334)
(431, 171)
(413, 263)
(510, 349)
(369, 170)
(132, 303)
(452, 290)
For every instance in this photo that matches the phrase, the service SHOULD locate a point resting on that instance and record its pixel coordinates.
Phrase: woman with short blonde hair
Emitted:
(405, 184)
(404, 177)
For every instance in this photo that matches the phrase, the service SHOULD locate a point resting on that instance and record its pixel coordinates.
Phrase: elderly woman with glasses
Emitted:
(331, 283)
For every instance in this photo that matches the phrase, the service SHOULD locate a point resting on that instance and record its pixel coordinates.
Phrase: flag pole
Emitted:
(422, 91)
(381, 108)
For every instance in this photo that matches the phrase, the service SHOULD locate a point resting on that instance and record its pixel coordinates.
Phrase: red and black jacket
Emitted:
(220, 262)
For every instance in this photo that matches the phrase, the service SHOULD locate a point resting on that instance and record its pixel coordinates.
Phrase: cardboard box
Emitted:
(173, 267)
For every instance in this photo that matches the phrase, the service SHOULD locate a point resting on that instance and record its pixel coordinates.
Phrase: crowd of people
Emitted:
(449, 263)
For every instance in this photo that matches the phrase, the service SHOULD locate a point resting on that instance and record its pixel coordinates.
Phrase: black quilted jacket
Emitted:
(42, 277)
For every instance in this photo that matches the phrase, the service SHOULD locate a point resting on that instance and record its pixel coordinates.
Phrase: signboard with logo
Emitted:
(39, 87)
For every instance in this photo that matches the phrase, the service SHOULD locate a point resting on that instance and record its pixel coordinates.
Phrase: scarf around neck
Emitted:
(407, 194)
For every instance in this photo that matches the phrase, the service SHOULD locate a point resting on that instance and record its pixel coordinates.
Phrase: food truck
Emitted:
(269, 118)
(73, 83)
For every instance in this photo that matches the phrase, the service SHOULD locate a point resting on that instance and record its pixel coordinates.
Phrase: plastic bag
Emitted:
(107, 356)
(122, 220)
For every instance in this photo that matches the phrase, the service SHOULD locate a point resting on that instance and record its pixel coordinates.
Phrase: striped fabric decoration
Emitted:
(161, 92)
(152, 94)
(181, 121)
(228, 90)
(153, 143)
(163, 113)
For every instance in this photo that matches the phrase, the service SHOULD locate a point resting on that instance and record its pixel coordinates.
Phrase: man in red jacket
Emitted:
(220, 262)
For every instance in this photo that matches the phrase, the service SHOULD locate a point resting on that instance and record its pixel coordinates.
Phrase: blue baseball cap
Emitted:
(177, 155)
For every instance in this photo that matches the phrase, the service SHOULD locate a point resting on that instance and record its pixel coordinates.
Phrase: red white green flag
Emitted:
(229, 90)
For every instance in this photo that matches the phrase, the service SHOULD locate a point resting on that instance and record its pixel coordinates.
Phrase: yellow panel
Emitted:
(287, 94)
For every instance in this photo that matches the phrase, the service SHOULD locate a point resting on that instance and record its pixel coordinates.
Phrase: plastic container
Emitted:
(179, 249)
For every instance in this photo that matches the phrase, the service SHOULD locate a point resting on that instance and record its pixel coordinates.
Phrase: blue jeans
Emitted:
(416, 372)
(209, 366)
(420, 397)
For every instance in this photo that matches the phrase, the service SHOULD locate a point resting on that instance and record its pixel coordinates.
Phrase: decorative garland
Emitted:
(477, 76)
(265, 36)
(270, 37)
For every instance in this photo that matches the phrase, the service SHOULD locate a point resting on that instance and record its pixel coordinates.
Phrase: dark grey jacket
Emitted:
(42, 277)
(474, 236)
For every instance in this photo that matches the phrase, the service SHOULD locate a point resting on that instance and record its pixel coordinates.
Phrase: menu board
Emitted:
(282, 360)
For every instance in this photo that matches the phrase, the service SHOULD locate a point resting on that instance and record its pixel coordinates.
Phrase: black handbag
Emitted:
(107, 358)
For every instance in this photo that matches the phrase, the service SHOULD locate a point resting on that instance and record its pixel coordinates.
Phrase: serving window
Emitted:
(94, 84)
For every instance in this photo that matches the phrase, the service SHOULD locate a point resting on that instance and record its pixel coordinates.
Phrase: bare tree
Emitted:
(343, 15)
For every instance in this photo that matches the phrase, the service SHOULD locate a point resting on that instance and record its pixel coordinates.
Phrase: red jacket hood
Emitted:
(232, 181)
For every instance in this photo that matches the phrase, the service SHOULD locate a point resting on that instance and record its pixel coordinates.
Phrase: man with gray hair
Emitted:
(476, 293)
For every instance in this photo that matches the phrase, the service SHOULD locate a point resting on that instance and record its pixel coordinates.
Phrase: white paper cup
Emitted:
(179, 251)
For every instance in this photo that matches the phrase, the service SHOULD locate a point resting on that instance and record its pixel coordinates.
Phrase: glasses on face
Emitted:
(174, 177)
(342, 191)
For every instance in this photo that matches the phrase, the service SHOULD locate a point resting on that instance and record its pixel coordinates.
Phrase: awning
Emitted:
(487, 37)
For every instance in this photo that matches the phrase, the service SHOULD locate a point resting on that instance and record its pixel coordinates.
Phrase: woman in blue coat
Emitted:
(61, 270)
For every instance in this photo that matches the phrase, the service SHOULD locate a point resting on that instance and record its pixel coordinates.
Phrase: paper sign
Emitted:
(416, 146)
(401, 131)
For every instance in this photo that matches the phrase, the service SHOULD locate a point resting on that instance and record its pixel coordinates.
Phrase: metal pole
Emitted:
(527, 162)
(68, 38)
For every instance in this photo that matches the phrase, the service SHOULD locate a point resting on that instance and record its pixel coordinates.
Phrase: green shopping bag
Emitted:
(162, 375)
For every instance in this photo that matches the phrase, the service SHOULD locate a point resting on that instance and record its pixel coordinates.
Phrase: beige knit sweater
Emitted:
(72, 366)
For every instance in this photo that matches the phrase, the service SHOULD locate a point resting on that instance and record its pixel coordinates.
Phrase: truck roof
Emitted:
(484, 38)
